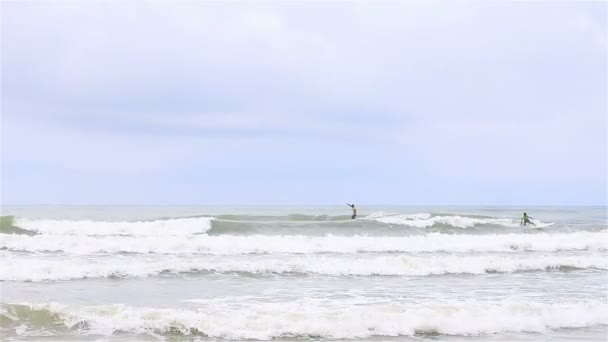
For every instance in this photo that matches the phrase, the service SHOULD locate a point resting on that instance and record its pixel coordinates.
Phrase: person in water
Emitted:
(527, 219)
(354, 210)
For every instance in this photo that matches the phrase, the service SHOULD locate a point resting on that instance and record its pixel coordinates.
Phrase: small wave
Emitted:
(41, 269)
(284, 218)
(427, 220)
(298, 244)
(7, 227)
(286, 227)
(374, 223)
(6, 222)
(306, 318)
(180, 226)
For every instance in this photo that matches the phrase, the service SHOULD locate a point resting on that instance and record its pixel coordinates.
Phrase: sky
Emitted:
(297, 102)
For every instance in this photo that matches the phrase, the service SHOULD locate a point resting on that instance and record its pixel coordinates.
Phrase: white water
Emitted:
(199, 225)
(181, 226)
(327, 318)
(425, 220)
(267, 244)
(39, 269)
(124, 274)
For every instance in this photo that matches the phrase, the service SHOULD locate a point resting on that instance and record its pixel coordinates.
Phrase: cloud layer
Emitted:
(274, 102)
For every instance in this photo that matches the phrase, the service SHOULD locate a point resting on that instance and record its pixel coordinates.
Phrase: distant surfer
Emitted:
(527, 219)
(354, 210)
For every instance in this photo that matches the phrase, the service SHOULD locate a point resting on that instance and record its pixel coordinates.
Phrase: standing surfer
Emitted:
(354, 210)
(527, 219)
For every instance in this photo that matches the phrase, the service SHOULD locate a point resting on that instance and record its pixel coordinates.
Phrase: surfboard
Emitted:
(542, 225)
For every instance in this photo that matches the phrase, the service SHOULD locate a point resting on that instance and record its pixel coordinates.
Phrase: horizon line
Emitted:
(303, 205)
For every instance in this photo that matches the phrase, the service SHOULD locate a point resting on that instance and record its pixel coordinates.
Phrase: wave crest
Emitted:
(310, 317)
(39, 269)
(427, 220)
(299, 244)
(170, 227)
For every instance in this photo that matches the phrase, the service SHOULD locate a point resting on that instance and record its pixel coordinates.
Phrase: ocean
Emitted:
(300, 273)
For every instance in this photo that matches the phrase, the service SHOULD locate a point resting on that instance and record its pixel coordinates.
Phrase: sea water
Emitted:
(302, 273)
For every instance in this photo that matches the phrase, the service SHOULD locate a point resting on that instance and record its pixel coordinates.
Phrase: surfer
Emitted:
(527, 219)
(354, 210)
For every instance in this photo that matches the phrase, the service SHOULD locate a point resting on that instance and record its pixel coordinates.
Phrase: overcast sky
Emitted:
(294, 102)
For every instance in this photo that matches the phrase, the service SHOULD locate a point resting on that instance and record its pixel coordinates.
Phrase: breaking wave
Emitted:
(293, 224)
(41, 269)
(178, 226)
(298, 244)
(426, 220)
(305, 318)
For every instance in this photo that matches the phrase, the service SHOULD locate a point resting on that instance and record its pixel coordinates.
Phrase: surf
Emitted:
(292, 224)
(163, 227)
(304, 244)
(348, 318)
(41, 268)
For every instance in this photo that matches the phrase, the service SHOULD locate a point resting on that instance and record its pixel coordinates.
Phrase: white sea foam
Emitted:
(327, 319)
(181, 226)
(238, 244)
(426, 220)
(44, 268)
